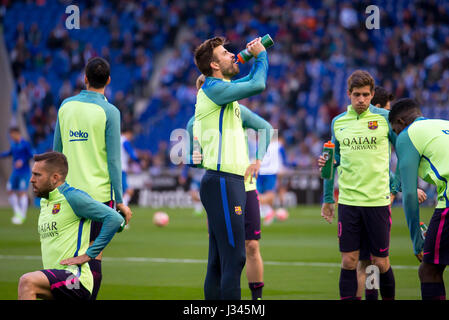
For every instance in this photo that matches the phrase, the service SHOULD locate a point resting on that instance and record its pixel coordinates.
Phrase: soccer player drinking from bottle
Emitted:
(218, 126)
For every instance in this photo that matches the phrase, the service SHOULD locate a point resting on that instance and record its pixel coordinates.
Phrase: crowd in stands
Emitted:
(317, 45)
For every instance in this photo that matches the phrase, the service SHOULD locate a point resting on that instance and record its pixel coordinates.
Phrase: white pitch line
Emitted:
(200, 261)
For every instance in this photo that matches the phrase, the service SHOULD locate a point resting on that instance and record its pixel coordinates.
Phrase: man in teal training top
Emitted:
(254, 263)
(422, 149)
(218, 127)
(88, 133)
(362, 137)
(64, 230)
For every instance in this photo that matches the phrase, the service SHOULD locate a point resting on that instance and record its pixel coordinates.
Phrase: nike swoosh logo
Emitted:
(257, 232)
(426, 253)
(383, 250)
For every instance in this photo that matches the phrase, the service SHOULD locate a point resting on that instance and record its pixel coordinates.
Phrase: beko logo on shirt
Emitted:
(78, 135)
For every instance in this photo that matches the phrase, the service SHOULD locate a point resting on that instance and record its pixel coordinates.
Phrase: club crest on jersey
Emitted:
(56, 208)
(238, 210)
(373, 125)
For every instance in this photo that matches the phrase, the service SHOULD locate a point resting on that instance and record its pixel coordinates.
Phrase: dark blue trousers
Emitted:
(224, 198)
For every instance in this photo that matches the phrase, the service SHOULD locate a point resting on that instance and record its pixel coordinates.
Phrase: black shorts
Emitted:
(252, 216)
(95, 268)
(436, 245)
(64, 285)
(364, 253)
(364, 226)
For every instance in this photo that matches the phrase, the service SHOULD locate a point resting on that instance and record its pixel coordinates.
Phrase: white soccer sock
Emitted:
(24, 205)
(264, 209)
(14, 201)
(198, 207)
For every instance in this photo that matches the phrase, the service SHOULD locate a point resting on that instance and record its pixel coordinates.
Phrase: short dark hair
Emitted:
(57, 161)
(125, 129)
(359, 79)
(204, 54)
(404, 107)
(14, 129)
(97, 72)
(381, 96)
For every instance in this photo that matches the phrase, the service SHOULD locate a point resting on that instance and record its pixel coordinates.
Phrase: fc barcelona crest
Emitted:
(56, 208)
(372, 125)
(238, 210)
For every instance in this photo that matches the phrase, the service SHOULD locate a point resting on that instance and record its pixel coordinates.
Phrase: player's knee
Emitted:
(252, 248)
(429, 273)
(26, 283)
(349, 261)
(382, 263)
(362, 265)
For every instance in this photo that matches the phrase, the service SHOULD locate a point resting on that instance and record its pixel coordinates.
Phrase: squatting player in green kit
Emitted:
(218, 127)
(423, 150)
(362, 137)
(64, 230)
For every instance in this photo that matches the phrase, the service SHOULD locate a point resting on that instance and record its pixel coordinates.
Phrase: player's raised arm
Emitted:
(224, 92)
(219, 66)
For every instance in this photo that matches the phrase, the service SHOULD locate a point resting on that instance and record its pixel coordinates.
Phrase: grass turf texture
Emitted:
(301, 256)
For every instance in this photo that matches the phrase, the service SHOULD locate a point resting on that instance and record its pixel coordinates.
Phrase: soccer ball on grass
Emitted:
(160, 219)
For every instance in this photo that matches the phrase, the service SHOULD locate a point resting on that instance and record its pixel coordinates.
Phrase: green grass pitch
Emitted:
(147, 262)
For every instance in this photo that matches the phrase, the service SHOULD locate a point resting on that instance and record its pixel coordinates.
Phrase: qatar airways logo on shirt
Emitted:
(78, 135)
(361, 143)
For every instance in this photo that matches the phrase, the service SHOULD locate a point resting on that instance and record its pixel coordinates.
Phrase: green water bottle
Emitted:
(123, 225)
(423, 227)
(244, 55)
(327, 172)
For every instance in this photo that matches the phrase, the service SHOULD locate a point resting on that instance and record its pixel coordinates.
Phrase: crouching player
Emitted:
(64, 230)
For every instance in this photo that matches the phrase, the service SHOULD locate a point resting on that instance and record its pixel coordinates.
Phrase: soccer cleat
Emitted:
(17, 219)
(197, 209)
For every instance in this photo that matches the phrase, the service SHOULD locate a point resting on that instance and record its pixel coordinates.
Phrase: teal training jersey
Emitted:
(88, 133)
(362, 150)
(422, 150)
(64, 229)
(218, 124)
(250, 120)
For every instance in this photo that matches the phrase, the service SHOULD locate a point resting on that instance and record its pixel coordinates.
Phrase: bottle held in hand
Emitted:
(244, 55)
(327, 172)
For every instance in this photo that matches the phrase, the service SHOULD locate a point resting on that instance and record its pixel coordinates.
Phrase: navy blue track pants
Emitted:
(223, 196)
